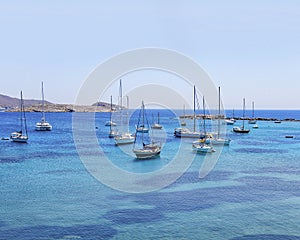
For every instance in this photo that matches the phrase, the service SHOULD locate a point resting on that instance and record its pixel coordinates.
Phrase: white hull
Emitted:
(156, 126)
(252, 121)
(43, 127)
(124, 139)
(147, 152)
(185, 133)
(229, 122)
(202, 148)
(142, 130)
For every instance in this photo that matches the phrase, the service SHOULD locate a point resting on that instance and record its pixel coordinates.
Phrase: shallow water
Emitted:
(253, 192)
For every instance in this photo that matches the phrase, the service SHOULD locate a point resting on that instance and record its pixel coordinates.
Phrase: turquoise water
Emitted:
(253, 192)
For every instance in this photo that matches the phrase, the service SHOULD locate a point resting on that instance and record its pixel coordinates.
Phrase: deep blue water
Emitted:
(253, 192)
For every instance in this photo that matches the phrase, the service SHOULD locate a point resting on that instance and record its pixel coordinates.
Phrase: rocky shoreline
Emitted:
(62, 108)
(200, 116)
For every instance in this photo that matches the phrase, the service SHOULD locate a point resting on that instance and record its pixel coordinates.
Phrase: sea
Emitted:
(59, 187)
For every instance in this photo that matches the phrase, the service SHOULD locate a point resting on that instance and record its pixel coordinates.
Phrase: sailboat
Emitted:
(147, 150)
(230, 121)
(183, 123)
(242, 128)
(112, 132)
(156, 125)
(43, 125)
(201, 146)
(20, 136)
(184, 132)
(110, 123)
(218, 140)
(141, 128)
(123, 137)
(252, 120)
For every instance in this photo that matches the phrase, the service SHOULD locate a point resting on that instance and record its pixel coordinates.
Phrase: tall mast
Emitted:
(110, 113)
(121, 104)
(158, 118)
(24, 117)
(127, 111)
(121, 94)
(43, 107)
(204, 127)
(194, 108)
(219, 112)
(143, 121)
(243, 111)
(253, 109)
(21, 111)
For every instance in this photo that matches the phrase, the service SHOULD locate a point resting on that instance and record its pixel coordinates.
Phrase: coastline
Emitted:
(62, 108)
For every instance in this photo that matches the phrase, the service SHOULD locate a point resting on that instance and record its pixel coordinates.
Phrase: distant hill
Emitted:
(9, 102)
(31, 105)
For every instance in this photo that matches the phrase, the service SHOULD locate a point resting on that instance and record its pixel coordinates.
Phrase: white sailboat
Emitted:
(242, 128)
(201, 146)
(43, 125)
(22, 135)
(252, 120)
(123, 137)
(218, 140)
(230, 121)
(112, 132)
(183, 123)
(147, 150)
(156, 125)
(185, 132)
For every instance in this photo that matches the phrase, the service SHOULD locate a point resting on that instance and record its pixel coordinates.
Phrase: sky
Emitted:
(250, 48)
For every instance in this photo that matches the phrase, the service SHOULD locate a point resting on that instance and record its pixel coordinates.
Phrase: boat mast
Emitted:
(127, 113)
(253, 109)
(23, 115)
(21, 111)
(158, 118)
(219, 112)
(143, 121)
(110, 122)
(243, 111)
(43, 104)
(194, 108)
(204, 127)
(121, 103)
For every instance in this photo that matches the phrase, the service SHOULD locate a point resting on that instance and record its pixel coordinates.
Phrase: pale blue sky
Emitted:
(251, 48)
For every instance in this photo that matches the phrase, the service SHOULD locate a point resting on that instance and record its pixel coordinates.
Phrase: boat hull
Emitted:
(18, 137)
(180, 133)
(240, 130)
(252, 121)
(156, 126)
(202, 148)
(124, 139)
(43, 126)
(146, 153)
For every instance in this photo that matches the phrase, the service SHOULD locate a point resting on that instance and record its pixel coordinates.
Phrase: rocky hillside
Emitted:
(9, 102)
